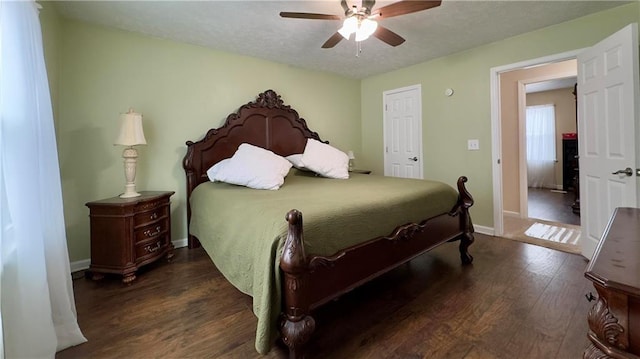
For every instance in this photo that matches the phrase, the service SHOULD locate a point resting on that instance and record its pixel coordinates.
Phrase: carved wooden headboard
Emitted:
(266, 122)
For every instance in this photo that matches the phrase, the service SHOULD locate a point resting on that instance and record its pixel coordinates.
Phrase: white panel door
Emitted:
(403, 132)
(607, 118)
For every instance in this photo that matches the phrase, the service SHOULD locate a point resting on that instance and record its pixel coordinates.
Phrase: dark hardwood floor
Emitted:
(516, 301)
(552, 206)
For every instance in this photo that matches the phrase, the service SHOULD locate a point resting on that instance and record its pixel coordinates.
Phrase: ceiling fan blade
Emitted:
(345, 6)
(333, 41)
(406, 7)
(388, 36)
(306, 15)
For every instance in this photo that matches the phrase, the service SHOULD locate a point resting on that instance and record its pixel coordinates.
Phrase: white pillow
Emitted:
(213, 171)
(296, 161)
(325, 160)
(253, 167)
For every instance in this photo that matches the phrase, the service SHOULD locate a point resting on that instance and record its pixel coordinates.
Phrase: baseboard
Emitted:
(511, 214)
(84, 264)
(179, 243)
(489, 231)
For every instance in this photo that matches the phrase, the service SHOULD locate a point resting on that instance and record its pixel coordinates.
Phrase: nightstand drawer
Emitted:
(150, 231)
(150, 216)
(151, 248)
(143, 207)
(127, 233)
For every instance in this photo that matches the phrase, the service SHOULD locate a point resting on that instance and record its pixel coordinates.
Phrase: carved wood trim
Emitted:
(604, 324)
(407, 231)
(592, 352)
(296, 333)
(296, 325)
(598, 349)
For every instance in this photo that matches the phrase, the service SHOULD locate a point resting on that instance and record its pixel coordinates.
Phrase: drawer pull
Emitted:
(150, 233)
(590, 296)
(154, 215)
(150, 249)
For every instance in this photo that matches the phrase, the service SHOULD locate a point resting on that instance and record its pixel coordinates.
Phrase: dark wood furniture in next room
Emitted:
(127, 233)
(309, 280)
(575, 207)
(614, 320)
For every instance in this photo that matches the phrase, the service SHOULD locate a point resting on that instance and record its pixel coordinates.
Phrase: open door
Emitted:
(607, 120)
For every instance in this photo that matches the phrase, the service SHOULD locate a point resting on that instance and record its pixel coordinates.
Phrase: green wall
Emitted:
(50, 24)
(182, 91)
(449, 121)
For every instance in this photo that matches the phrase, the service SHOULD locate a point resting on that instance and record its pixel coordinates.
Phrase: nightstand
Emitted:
(127, 233)
(365, 172)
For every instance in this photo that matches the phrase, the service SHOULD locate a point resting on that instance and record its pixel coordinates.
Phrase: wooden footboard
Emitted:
(348, 269)
(269, 123)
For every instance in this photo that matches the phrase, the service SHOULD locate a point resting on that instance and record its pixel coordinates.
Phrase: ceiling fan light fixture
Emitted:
(367, 28)
(349, 26)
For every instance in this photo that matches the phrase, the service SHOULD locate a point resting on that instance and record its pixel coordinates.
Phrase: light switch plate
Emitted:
(473, 145)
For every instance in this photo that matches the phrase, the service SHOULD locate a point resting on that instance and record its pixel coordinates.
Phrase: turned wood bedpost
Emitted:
(192, 182)
(296, 325)
(465, 201)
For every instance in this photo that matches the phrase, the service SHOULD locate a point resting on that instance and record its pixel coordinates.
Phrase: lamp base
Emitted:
(130, 191)
(130, 194)
(130, 154)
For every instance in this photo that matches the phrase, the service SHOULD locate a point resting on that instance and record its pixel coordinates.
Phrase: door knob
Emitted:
(415, 159)
(627, 171)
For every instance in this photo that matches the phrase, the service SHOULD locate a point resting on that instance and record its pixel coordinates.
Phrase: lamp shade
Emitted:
(351, 155)
(131, 132)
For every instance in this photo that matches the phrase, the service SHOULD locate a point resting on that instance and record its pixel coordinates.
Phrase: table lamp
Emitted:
(130, 135)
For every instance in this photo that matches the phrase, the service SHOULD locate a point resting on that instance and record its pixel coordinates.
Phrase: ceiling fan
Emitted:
(362, 21)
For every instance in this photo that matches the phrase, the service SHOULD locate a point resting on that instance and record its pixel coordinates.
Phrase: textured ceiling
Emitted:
(254, 28)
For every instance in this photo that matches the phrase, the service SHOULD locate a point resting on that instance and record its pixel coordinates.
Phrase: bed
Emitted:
(355, 230)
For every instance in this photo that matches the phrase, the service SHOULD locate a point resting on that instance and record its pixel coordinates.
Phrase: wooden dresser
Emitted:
(127, 233)
(614, 320)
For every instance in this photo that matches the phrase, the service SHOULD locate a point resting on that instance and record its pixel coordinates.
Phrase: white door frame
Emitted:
(417, 87)
(496, 128)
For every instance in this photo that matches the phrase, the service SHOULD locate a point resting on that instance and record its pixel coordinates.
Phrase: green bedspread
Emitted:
(243, 230)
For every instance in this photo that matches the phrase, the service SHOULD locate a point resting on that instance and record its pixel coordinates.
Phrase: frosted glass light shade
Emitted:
(131, 132)
(367, 28)
(349, 26)
(351, 155)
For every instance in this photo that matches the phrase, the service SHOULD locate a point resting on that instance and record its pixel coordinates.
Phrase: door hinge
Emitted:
(498, 161)
(386, 149)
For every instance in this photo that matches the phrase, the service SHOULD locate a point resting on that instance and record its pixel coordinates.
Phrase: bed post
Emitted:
(192, 182)
(296, 325)
(465, 201)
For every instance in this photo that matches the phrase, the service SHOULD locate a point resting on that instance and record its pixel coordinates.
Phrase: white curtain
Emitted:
(541, 146)
(38, 309)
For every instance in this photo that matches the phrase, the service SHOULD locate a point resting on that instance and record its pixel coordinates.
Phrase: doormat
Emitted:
(553, 233)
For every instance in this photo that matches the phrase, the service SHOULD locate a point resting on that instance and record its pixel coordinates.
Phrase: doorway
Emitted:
(551, 148)
(403, 132)
(608, 86)
(536, 206)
